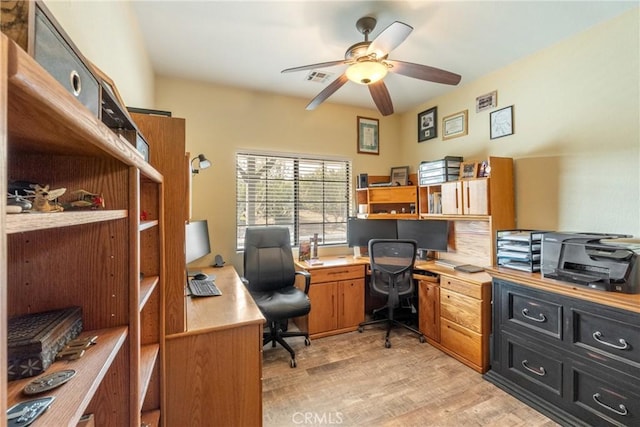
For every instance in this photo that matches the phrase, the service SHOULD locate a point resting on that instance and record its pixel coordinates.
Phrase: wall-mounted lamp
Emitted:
(203, 163)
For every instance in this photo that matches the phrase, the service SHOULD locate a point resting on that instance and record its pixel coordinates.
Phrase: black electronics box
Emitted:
(35, 339)
(32, 26)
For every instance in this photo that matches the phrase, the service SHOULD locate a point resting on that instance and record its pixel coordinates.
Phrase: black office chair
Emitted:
(269, 275)
(391, 263)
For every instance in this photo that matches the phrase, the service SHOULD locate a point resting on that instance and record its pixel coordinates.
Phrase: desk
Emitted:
(214, 367)
(454, 307)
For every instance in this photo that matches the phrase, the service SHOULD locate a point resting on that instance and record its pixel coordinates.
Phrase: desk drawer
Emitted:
(526, 310)
(461, 309)
(461, 340)
(461, 287)
(332, 274)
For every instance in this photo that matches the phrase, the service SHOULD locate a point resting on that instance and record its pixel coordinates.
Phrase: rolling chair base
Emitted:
(390, 322)
(276, 335)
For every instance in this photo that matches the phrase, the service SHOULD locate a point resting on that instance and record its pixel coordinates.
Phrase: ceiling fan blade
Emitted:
(314, 66)
(424, 72)
(327, 92)
(381, 97)
(389, 39)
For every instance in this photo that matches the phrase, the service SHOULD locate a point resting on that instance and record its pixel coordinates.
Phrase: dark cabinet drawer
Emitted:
(603, 333)
(601, 401)
(533, 366)
(526, 309)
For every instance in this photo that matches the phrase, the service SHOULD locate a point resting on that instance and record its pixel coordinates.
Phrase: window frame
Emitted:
(296, 224)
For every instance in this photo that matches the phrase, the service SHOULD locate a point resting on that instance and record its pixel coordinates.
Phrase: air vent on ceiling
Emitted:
(318, 76)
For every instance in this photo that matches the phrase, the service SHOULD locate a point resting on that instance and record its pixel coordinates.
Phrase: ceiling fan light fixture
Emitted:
(366, 72)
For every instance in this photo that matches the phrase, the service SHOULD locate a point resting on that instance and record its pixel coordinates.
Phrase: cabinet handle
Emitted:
(333, 306)
(338, 272)
(541, 317)
(541, 372)
(597, 335)
(468, 197)
(623, 409)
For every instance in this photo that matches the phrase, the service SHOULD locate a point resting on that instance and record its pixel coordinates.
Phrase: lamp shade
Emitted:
(366, 72)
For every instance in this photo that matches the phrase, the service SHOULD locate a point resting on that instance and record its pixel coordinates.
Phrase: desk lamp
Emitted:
(203, 163)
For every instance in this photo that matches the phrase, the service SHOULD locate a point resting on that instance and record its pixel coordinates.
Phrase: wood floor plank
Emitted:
(353, 380)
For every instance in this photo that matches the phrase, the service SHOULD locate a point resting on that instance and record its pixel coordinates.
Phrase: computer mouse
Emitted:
(201, 276)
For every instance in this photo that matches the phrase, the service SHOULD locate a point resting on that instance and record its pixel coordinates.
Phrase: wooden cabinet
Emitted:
(389, 202)
(468, 197)
(107, 261)
(455, 314)
(575, 359)
(337, 298)
(477, 209)
(429, 309)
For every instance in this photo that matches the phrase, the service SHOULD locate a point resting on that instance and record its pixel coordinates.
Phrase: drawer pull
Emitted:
(338, 272)
(541, 372)
(597, 335)
(623, 409)
(541, 317)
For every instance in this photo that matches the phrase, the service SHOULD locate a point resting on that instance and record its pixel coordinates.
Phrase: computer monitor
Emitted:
(360, 231)
(430, 234)
(197, 240)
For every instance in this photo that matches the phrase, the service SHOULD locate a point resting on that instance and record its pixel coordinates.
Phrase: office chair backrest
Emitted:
(268, 260)
(392, 264)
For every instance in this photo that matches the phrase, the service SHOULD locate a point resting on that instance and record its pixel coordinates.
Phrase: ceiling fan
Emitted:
(368, 65)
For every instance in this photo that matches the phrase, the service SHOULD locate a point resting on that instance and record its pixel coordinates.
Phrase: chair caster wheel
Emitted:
(422, 339)
(307, 342)
(360, 329)
(293, 363)
(387, 344)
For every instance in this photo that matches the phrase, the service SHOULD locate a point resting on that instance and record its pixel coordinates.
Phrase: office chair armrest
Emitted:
(307, 279)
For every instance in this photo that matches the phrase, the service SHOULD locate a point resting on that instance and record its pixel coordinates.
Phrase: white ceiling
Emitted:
(248, 43)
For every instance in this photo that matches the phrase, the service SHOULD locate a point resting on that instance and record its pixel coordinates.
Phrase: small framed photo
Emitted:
(487, 101)
(484, 169)
(455, 125)
(468, 170)
(501, 122)
(428, 124)
(368, 136)
(399, 175)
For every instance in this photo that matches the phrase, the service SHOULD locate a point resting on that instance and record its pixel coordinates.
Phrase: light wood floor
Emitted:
(353, 380)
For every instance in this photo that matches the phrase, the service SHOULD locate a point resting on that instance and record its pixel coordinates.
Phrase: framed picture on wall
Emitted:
(486, 101)
(454, 125)
(368, 136)
(428, 124)
(501, 122)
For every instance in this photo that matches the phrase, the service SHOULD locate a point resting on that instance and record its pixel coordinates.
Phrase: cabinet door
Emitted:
(451, 198)
(324, 307)
(476, 197)
(351, 303)
(429, 317)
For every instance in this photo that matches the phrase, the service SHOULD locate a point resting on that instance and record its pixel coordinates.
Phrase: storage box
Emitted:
(35, 339)
(437, 171)
(32, 26)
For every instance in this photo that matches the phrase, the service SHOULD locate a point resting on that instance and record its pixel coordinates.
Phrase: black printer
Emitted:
(607, 262)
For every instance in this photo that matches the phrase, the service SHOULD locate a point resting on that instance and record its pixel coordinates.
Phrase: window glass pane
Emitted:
(308, 195)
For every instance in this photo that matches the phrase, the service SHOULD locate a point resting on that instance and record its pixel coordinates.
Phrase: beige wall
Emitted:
(576, 142)
(107, 34)
(221, 120)
(577, 137)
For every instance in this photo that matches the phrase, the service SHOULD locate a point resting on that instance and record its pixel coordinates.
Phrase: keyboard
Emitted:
(203, 288)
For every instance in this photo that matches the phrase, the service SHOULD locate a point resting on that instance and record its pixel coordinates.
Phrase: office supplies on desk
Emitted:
(468, 268)
(203, 288)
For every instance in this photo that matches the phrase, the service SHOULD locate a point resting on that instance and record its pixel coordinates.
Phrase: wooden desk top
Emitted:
(233, 308)
(629, 302)
(430, 266)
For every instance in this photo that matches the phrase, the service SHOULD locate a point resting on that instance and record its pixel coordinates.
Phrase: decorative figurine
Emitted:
(42, 197)
(86, 200)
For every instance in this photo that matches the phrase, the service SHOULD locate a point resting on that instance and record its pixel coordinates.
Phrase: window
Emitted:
(308, 195)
